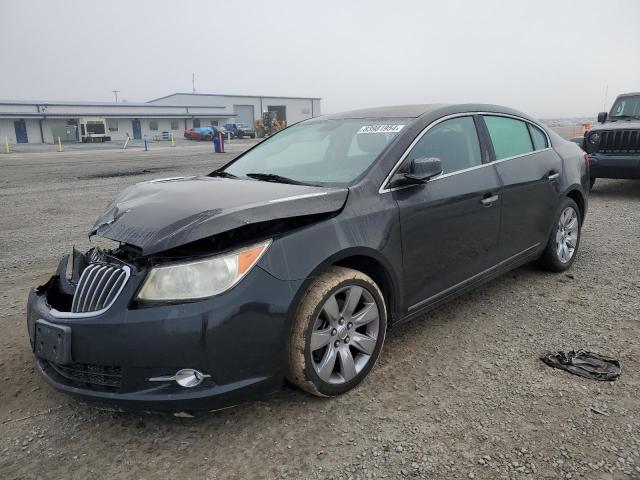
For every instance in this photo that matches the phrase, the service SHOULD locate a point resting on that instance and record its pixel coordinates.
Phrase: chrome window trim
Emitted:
(71, 315)
(384, 186)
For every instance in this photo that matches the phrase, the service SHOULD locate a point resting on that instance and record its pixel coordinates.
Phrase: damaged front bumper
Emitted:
(108, 357)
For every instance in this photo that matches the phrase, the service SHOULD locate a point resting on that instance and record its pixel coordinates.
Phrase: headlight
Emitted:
(202, 278)
(594, 138)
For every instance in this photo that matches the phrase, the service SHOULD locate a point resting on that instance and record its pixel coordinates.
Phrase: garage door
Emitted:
(244, 114)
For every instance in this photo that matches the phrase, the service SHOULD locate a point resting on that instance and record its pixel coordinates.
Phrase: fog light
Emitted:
(190, 378)
(187, 378)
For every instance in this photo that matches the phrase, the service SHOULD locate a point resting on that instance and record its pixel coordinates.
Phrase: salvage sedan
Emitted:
(293, 260)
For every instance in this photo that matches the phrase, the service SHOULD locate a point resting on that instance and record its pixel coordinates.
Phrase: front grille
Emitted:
(98, 287)
(619, 141)
(103, 377)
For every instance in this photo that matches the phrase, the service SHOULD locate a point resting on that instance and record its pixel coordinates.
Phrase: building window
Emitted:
(153, 125)
(214, 123)
(174, 125)
(112, 125)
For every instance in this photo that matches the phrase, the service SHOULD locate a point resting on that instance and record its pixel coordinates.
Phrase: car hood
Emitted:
(162, 214)
(628, 124)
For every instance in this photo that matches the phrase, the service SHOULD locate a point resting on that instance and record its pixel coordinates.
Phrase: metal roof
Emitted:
(46, 103)
(228, 95)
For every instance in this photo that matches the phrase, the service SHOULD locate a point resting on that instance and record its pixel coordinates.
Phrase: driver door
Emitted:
(450, 225)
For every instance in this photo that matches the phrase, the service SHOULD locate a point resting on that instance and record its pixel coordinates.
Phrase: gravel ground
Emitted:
(458, 394)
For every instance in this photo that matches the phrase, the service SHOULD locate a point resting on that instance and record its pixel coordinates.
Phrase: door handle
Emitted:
(553, 175)
(489, 199)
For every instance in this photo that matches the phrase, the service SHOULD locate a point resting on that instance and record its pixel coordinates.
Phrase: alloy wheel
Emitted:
(345, 334)
(567, 234)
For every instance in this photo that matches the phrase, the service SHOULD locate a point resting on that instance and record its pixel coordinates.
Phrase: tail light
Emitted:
(587, 161)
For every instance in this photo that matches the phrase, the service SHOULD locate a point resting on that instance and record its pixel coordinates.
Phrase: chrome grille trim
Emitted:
(98, 288)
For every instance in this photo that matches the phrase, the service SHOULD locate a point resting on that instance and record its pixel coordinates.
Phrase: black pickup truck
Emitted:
(613, 144)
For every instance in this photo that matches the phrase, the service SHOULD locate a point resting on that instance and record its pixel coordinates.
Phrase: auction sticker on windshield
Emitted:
(380, 129)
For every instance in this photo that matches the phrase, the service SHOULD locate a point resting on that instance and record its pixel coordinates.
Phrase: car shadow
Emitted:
(616, 189)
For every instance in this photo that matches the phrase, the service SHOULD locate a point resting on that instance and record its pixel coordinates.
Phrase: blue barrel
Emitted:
(217, 147)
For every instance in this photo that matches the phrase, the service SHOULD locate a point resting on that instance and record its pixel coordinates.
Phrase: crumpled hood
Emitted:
(162, 214)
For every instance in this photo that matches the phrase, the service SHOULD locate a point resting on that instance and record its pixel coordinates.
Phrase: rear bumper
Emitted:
(614, 166)
(237, 338)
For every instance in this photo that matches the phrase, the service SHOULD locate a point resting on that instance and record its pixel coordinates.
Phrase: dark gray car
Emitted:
(293, 260)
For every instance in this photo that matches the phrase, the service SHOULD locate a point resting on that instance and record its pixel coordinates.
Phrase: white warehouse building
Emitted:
(45, 121)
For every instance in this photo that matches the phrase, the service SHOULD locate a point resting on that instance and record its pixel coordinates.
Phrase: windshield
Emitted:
(329, 152)
(626, 107)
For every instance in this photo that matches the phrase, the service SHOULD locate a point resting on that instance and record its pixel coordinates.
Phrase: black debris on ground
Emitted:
(585, 364)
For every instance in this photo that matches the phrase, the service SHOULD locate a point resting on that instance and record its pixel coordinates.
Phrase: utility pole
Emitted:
(115, 92)
(193, 82)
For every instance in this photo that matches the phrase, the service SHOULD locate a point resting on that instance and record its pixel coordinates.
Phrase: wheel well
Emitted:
(577, 197)
(374, 269)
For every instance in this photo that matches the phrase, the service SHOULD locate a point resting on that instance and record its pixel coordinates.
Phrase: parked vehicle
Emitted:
(93, 130)
(206, 133)
(240, 130)
(269, 124)
(187, 133)
(614, 144)
(294, 259)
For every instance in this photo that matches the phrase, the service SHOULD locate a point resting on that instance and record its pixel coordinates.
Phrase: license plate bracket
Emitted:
(52, 342)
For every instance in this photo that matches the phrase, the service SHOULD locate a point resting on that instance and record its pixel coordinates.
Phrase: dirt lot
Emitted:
(459, 394)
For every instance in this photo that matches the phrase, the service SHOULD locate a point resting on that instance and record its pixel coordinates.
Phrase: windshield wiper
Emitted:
(272, 177)
(222, 173)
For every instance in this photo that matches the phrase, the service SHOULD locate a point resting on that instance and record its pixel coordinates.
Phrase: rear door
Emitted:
(530, 173)
(450, 225)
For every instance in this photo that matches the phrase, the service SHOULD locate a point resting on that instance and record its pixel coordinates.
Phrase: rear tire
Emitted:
(564, 240)
(337, 333)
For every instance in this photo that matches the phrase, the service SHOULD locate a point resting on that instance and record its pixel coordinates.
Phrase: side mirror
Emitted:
(420, 171)
(602, 117)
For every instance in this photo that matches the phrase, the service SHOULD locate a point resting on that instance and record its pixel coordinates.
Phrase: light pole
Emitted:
(115, 92)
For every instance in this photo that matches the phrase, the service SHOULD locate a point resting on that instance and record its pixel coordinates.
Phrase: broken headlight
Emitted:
(201, 278)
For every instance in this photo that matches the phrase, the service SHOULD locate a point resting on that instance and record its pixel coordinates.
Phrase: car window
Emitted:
(510, 137)
(626, 106)
(327, 152)
(539, 138)
(455, 142)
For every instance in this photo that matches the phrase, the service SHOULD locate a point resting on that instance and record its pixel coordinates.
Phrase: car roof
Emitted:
(415, 111)
(394, 111)
(630, 94)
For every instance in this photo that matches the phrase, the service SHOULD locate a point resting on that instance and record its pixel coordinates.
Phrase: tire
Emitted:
(552, 257)
(253, 136)
(592, 180)
(362, 343)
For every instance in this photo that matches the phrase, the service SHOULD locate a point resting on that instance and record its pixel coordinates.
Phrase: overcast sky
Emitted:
(548, 58)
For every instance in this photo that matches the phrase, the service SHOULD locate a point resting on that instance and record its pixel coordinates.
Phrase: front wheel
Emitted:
(564, 240)
(337, 333)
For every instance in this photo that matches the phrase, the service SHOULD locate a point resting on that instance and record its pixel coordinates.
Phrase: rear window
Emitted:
(510, 137)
